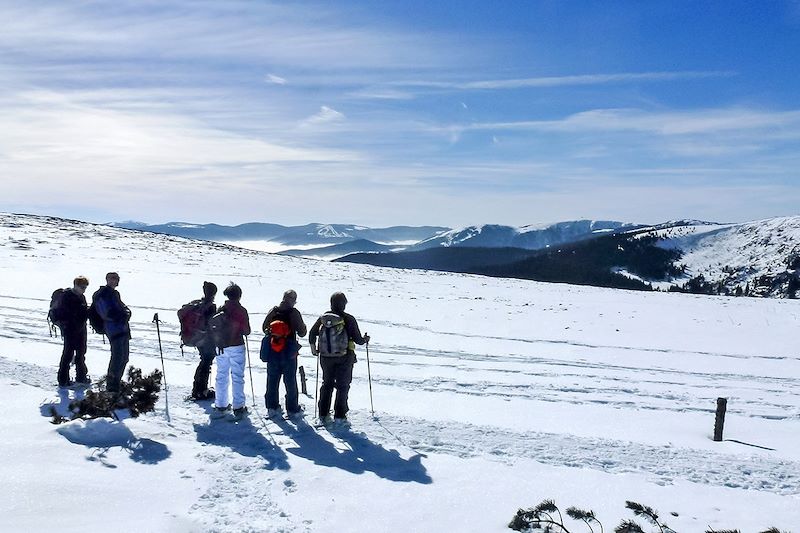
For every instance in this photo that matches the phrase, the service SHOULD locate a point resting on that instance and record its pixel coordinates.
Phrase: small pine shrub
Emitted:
(547, 518)
(138, 395)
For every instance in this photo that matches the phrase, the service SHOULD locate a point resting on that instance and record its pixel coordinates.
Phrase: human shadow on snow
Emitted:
(101, 435)
(243, 438)
(357, 454)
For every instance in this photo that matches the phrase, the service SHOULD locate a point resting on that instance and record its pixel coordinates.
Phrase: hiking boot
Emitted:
(275, 413)
(294, 415)
(66, 385)
(207, 394)
(239, 412)
(326, 419)
(219, 412)
(341, 422)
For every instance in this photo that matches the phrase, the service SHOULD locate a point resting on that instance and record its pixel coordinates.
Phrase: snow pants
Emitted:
(337, 373)
(230, 371)
(74, 350)
(286, 368)
(203, 372)
(120, 347)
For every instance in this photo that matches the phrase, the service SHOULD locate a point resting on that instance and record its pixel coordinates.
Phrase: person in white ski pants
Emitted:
(230, 361)
(230, 369)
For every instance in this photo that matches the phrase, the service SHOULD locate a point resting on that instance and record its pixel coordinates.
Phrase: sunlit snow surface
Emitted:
(489, 395)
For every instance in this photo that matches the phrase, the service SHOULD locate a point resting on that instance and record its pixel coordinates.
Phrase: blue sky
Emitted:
(382, 113)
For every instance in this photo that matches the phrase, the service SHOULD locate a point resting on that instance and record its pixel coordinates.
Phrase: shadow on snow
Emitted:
(243, 438)
(356, 453)
(102, 434)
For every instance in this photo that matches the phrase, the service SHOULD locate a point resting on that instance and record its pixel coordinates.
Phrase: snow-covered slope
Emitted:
(489, 395)
(761, 254)
(532, 237)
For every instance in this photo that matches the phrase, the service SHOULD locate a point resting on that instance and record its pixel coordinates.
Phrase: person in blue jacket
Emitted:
(116, 317)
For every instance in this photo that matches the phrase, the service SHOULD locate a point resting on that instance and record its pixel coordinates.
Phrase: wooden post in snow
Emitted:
(719, 420)
(303, 388)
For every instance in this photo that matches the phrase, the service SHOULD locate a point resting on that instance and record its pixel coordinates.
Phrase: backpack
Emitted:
(279, 331)
(56, 314)
(278, 342)
(333, 339)
(96, 321)
(192, 319)
(219, 326)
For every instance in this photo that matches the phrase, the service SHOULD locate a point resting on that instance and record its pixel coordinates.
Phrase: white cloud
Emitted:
(326, 115)
(276, 80)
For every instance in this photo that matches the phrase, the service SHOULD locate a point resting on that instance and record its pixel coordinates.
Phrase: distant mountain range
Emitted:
(309, 234)
(754, 258)
(319, 240)
(760, 258)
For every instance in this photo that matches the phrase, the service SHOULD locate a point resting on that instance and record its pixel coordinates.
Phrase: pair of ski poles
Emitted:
(369, 376)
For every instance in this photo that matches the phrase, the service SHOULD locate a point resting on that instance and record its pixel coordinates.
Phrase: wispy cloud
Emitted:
(277, 80)
(660, 122)
(326, 115)
(561, 81)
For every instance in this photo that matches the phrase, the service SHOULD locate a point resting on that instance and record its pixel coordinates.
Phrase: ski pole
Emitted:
(163, 369)
(250, 368)
(316, 386)
(369, 375)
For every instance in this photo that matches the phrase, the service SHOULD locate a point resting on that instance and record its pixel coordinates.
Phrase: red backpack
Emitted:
(192, 319)
(279, 332)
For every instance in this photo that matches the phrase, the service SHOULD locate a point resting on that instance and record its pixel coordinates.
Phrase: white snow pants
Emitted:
(230, 369)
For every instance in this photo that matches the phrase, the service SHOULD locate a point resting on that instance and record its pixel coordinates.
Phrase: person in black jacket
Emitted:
(337, 371)
(73, 313)
(116, 317)
(284, 365)
(205, 346)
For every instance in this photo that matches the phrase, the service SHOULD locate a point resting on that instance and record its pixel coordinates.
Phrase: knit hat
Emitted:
(209, 289)
(290, 297)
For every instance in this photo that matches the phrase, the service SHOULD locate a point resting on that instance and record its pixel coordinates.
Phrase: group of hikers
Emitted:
(218, 334)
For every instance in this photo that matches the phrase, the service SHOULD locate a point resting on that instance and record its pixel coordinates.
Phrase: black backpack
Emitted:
(96, 321)
(219, 326)
(57, 314)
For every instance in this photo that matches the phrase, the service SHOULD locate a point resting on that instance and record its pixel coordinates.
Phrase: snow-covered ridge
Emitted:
(734, 254)
(532, 236)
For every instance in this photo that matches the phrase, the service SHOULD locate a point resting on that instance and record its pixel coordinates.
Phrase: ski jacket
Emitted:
(239, 322)
(353, 333)
(114, 313)
(288, 314)
(75, 312)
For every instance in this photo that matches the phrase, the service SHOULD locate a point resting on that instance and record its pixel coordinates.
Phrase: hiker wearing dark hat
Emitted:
(283, 363)
(205, 345)
(73, 313)
(116, 317)
(333, 339)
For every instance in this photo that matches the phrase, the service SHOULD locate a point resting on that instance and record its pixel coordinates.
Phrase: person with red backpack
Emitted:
(70, 313)
(194, 318)
(283, 325)
(229, 327)
(333, 339)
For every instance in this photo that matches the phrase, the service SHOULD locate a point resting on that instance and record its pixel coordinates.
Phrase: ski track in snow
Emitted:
(260, 448)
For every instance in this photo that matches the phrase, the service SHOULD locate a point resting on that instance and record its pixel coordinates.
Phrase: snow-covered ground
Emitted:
(490, 395)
